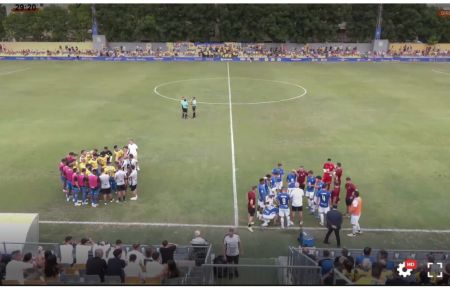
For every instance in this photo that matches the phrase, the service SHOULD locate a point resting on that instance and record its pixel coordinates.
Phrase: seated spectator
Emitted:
(148, 255)
(367, 251)
(446, 276)
(327, 266)
(39, 260)
(66, 251)
(16, 267)
(363, 271)
(396, 280)
(96, 265)
(82, 251)
(166, 250)
(116, 265)
(51, 269)
(118, 245)
(373, 279)
(137, 252)
(198, 240)
(133, 269)
(344, 253)
(104, 246)
(154, 268)
(171, 270)
(383, 255)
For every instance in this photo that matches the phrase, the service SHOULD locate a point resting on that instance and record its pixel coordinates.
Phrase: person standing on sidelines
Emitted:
(133, 177)
(184, 108)
(120, 177)
(334, 223)
(251, 206)
(194, 107)
(355, 211)
(297, 205)
(232, 249)
(105, 187)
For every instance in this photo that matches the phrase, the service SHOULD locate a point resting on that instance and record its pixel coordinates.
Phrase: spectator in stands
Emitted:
(66, 251)
(348, 270)
(137, 252)
(309, 253)
(116, 265)
(16, 267)
(104, 246)
(198, 240)
(171, 270)
(154, 268)
(327, 266)
(396, 280)
(373, 279)
(51, 269)
(384, 255)
(133, 268)
(39, 259)
(446, 276)
(96, 265)
(334, 223)
(148, 255)
(363, 271)
(82, 251)
(166, 250)
(118, 245)
(367, 251)
(344, 253)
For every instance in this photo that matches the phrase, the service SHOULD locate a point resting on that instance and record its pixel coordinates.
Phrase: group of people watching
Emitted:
(380, 269)
(97, 258)
(227, 50)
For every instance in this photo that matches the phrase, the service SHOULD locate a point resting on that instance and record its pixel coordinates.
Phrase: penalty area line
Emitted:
(127, 224)
(440, 72)
(14, 71)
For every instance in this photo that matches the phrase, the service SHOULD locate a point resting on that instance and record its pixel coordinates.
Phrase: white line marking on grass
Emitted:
(233, 159)
(156, 91)
(127, 224)
(14, 71)
(440, 72)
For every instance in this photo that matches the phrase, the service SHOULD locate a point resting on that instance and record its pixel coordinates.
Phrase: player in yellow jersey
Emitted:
(118, 153)
(93, 162)
(102, 160)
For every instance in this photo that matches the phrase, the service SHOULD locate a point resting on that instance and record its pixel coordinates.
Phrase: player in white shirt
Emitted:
(133, 161)
(133, 182)
(132, 148)
(120, 178)
(105, 187)
(297, 204)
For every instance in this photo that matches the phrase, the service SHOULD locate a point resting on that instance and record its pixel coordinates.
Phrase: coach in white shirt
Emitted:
(15, 268)
(297, 204)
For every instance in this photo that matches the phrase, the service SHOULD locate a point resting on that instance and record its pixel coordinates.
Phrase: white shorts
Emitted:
(261, 204)
(279, 185)
(274, 190)
(310, 194)
(324, 210)
(282, 212)
(354, 219)
(269, 217)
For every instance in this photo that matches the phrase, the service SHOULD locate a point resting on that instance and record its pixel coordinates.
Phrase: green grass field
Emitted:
(387, 123)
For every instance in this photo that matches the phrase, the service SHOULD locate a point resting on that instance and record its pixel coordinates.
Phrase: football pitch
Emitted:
(387, 123)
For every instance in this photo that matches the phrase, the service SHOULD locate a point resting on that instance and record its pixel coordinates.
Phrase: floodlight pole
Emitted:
(379, 21)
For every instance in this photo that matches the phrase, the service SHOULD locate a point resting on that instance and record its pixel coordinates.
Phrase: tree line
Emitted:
(298, 23)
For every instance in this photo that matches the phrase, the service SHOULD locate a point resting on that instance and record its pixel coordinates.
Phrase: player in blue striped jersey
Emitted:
(262, 193)
(310, 183)
(318, 186)
(291, 180)
(283, 200)
(324, 202)
(270, 212)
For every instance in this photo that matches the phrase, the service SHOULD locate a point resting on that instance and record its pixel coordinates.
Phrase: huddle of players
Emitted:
(274, 199)
(102, 172)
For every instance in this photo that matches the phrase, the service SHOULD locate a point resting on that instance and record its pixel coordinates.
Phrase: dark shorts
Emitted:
(297, 208)
(133, 187)
(251, 211)
(193, 108)
(184, 110)
(121, 187)
(302, 186)
(348, 201)
(105, 190)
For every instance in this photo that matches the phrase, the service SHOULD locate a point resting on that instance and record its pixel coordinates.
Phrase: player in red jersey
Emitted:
(251, 206)
(338, 171)
(336, 191)
(350, 189)
(62, 174)
(301, 177)
(328, 171)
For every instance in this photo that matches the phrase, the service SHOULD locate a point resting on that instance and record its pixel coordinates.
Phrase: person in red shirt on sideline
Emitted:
(251, 206)
(338, 171)
(328, 171)
(336, 191)
(301, 177)
(350, 189)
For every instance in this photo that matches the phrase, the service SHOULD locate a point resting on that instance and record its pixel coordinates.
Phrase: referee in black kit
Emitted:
(334, 223)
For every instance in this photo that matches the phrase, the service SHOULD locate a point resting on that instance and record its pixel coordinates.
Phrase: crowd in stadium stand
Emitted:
(228, 50)
(380, 269)
(86, 258)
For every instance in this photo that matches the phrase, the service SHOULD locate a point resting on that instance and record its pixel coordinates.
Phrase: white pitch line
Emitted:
(440, 72)
(14, 71)
(233, 159)
(127, 224)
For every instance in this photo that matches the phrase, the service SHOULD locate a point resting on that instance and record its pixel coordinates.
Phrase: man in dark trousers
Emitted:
(334, 223)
